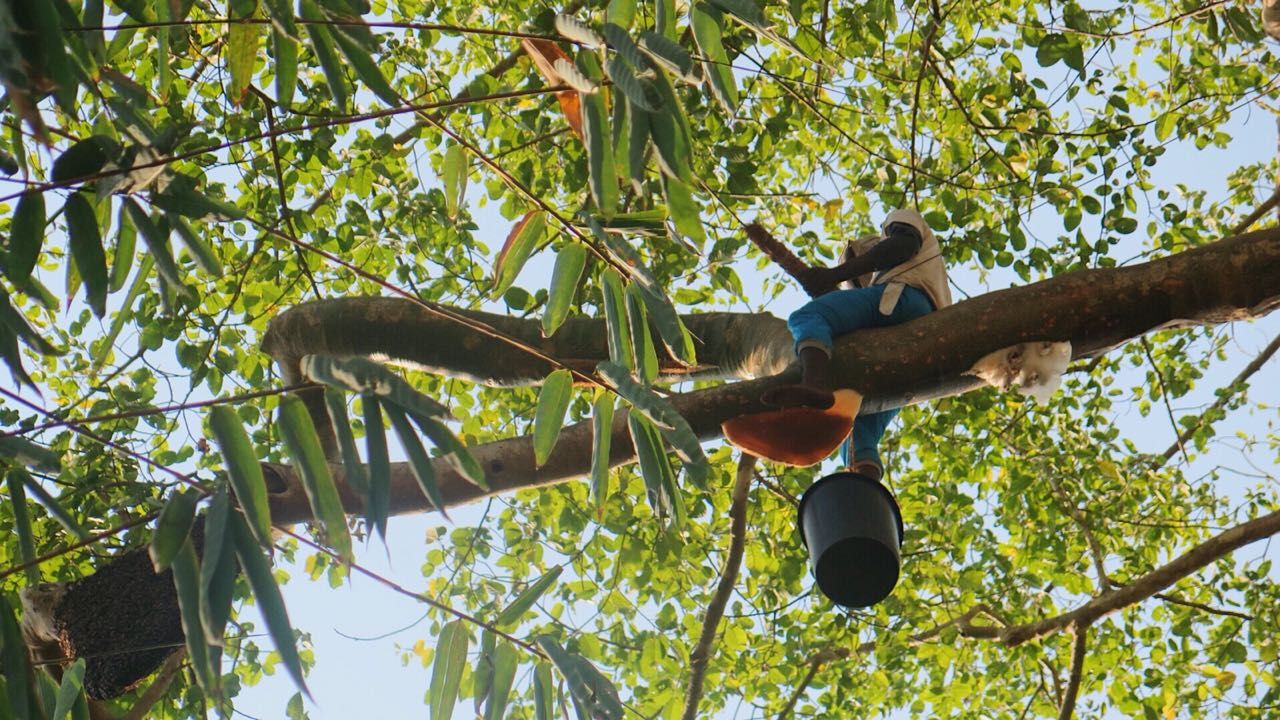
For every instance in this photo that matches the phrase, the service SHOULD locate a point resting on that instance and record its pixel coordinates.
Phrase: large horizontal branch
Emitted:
(1095, 309)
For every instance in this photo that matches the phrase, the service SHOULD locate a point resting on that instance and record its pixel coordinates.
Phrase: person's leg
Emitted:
(814, 328)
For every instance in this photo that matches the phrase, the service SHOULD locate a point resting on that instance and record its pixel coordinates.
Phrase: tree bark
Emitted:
(1271, 18)
(1096, 309)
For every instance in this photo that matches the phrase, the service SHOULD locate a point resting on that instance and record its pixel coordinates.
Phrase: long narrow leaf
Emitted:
(525, 600)
(158, 245)
(26, 453)
(366, 69)
(674, 427)
(455, 178)
(335, 403)
(257, 569)
(186, 580)
(359, 375)
(126, 243)
(675, 336)
(217, 568)
(375, 441)
(22, 528)
(16, 322)
(615, 316)
(13, 661)
(482, 677)
(520, 243)
(446, 672)
(86, 250)
(136, 289)
(505, 661)
(300, 439)
(553, 401)
(670, 132)
(684, 212)
(654, 465)
(602, 437)
(243, 471)
(322, 43)
(51, 504)
(644, 356)
(597, 695)
(26, 236)
(69, 690)
(172, 528)
(199, 249)
(708, 27)
(596, 138)
(544, 692)
(419, 461)
(285, 49)
(455, 452)
(565, 276)
(241, 53)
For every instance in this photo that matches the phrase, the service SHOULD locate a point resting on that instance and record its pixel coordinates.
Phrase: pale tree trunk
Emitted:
(1097, 309)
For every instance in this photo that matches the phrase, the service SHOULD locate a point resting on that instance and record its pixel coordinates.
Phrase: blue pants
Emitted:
(841, 312)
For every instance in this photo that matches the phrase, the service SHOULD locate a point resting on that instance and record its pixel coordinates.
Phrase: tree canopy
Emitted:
(218, 218)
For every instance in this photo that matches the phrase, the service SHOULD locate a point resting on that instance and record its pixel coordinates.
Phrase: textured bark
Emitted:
(1271, 18)
(1095, 310)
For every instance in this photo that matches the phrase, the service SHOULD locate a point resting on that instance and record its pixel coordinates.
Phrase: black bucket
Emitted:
(853, 529)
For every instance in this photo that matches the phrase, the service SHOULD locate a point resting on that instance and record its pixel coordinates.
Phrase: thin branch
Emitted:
(157, 688)
(701, 654)
(91, 540)
(1195, 559)
(1164, 395)
(1257, 213)
(1076, 515)
(1237, 384)
(1175, 600)
(1078, 648)
(331, 22)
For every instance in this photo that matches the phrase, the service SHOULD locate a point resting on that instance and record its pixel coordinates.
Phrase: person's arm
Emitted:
(901, 243)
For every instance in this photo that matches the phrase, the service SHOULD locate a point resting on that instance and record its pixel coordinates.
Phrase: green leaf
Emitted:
(300, 439)
(17, 323)
(378, 506)
(579, 32)
(243, 470)
(13, 358)
(455, 452)
(520, 243)
(602, 435)
(668, 54)
(624, 254)
(482, 678)
(674, 427)
(172, 528)
(69, 690)
(26, 235)
(1125, 225)
(257, 568)
(86, 251)
(285, 49)
(455, 179)
(745, 10)
(366, 69)
(158, 245)
(199, 249)
(359, 375)
(620, 12)
(83, 159)
(57, 63)
(544, 692)
(241, 54)
(684, 212)
(708, 27)
(26, 453)
(654, 465)
(624, 48)
(675, 337)
(126, 243)
(620, 127)
(22, 528)
(638, 123)
(336, 405)
(615, 316)
(322, 43)
(670, 132)
(575, 78)
(587, 686)
(217, 568)
(644, 357)
(571, 260)
(553, 401)
(1165, 125)
(281, 14)
(624, 78)
(182, 197)
(664, 18)
(50, 504)
(419, 461)
(186, 580)
(13, 661)
(595, 136)
(505, 661)
(525, 600)
(446, 671)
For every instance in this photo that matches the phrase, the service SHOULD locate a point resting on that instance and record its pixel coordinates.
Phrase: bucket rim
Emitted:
(846, 474)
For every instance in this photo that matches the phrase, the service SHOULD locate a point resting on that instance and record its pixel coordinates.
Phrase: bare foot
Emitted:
(799, 396)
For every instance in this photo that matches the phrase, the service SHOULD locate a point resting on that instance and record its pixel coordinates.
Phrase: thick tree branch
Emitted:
(1078, 649)
(1271, 18)
(1095, 309)
(158, 686)
(701, 654)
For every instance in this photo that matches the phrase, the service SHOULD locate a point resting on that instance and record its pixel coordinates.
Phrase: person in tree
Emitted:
(889, 279)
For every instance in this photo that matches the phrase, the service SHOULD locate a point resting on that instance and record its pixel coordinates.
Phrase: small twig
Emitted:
(1077, 670)
(1164, 395)
(814, 664)
(701, 654)
(1077, 516)
(1258, 212)
(1175, 600)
